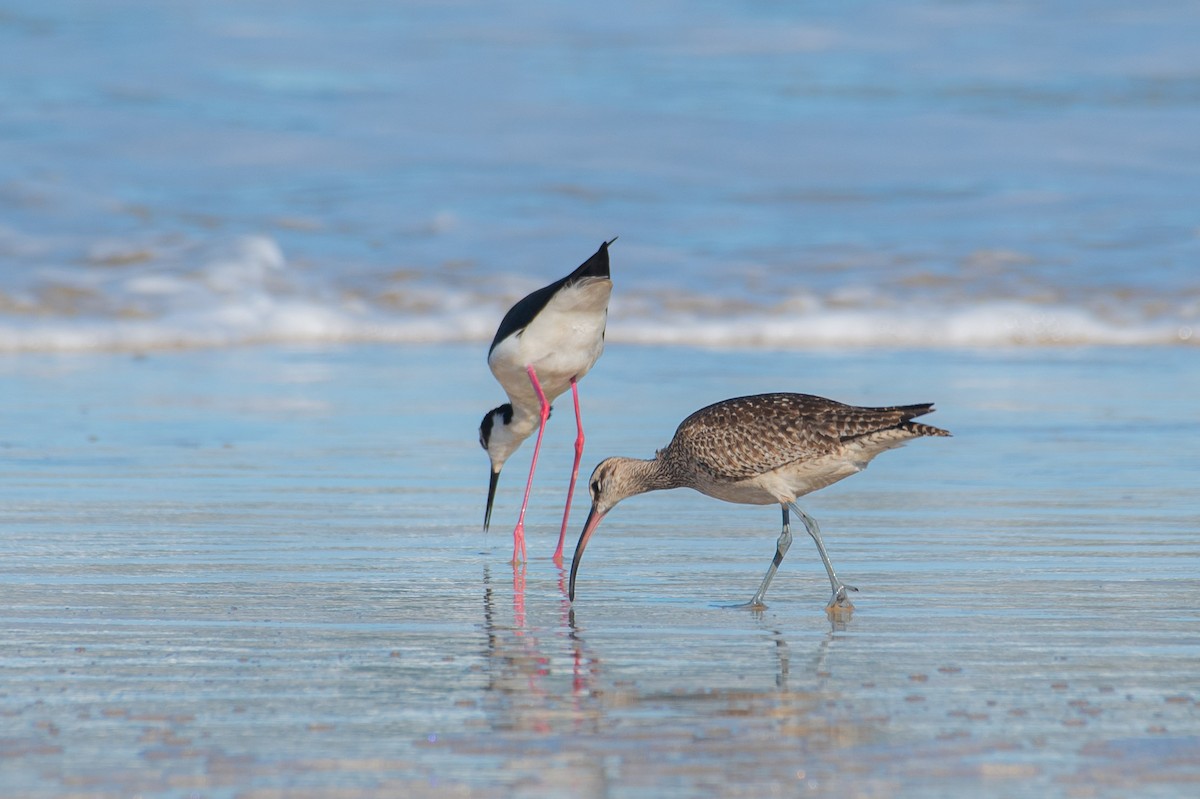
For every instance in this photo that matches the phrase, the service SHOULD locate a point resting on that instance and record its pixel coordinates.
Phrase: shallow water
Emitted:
(260, 572)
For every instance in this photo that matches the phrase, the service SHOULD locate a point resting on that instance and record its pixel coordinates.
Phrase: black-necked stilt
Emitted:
(761, 450)
(544, 345)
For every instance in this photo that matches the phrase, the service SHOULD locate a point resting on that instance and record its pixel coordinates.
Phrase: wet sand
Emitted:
(259, 572)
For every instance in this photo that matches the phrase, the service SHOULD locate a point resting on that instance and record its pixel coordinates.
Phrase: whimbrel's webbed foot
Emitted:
(755, 605)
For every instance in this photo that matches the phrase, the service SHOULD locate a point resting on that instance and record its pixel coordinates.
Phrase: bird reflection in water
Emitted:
(527, 687)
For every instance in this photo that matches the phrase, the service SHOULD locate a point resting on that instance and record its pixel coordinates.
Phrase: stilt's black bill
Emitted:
(487, 516)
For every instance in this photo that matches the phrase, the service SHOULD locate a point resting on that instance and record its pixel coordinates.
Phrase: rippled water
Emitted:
(260, 572)
(255, 571)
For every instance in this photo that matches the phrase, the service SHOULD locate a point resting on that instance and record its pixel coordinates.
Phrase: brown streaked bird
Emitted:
(760, 450)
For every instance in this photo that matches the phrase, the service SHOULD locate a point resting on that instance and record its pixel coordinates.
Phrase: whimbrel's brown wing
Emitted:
(746, 436)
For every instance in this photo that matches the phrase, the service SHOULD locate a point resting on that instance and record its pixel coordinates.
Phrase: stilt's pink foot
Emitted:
(518, 544)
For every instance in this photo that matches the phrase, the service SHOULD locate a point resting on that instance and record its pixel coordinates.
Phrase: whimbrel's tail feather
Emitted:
(918, 429)
(894, 425)
(909, 411)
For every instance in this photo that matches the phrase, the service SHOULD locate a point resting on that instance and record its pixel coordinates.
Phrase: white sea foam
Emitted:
(986, 325)
(247, 293)
(263, 319)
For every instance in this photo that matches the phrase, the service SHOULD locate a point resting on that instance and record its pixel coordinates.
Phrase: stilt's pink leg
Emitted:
(519, 532)
(558, 553)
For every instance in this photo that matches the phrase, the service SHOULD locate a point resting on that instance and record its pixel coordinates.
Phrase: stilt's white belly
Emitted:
(563, 342)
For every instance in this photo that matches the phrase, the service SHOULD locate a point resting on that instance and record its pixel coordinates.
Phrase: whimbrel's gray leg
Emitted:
(810, 524)
(781, 548)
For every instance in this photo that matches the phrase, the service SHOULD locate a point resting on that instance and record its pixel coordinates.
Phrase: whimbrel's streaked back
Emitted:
(759, 450)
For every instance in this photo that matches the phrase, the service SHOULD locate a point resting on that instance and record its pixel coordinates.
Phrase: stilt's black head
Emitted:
(503, 413)
(498, 441)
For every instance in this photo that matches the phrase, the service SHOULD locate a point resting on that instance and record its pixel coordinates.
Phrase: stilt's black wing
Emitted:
(520, 315)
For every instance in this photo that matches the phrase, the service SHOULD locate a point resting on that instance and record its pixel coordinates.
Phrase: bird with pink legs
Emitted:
(545, 344)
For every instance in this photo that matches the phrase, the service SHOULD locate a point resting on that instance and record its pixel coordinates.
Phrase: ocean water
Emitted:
(923, 174)
(251, 255)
